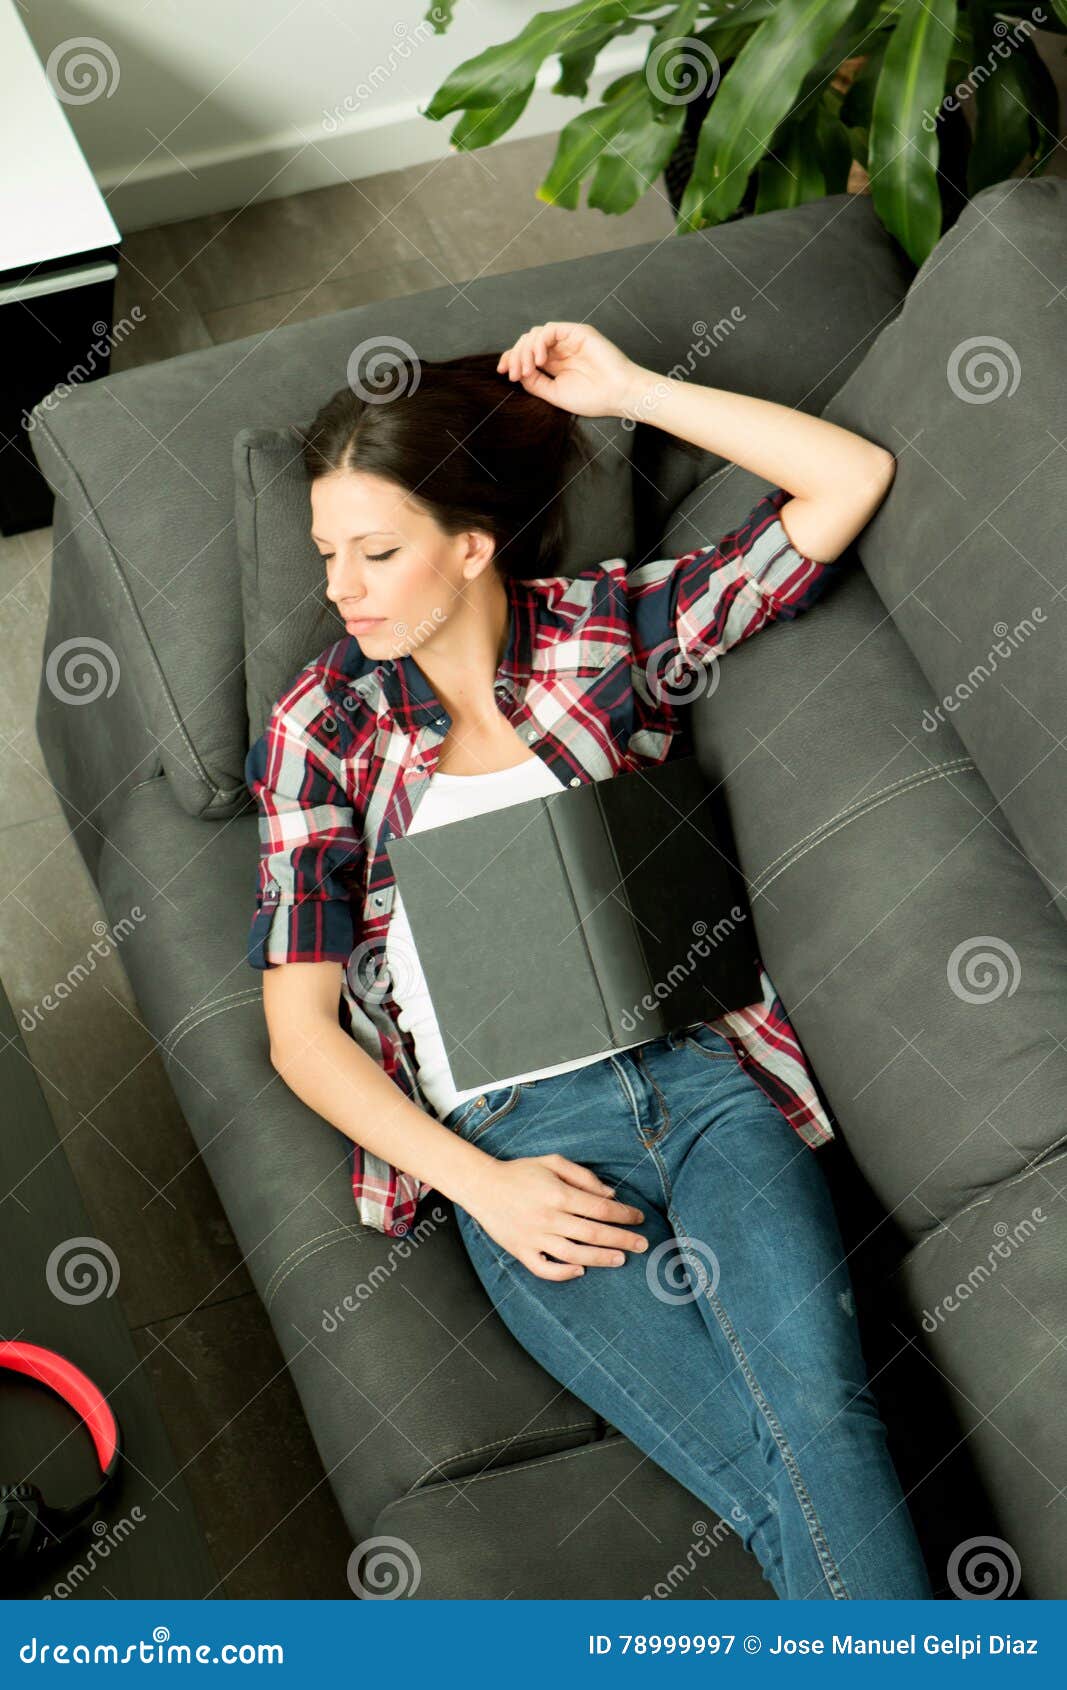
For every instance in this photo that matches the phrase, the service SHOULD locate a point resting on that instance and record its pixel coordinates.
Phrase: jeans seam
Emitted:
(822, 1548)
(654, 1138)
(627, 1091)
(506, 1263)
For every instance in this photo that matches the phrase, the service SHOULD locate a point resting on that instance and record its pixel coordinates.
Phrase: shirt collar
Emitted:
(407, 691)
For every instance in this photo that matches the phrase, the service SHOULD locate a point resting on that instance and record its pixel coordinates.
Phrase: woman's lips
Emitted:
(359, 624)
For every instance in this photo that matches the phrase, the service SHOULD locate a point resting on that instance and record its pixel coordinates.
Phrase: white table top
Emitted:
(50, 204)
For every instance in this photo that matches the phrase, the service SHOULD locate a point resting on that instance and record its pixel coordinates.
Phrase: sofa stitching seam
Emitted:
(305, 1252)
(497, 1443)
(994, 1191)
(761, 885)
(188, 1024)
(526, 1466)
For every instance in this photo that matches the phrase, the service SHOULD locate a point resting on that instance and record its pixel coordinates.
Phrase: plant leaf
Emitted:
(903, 147)
(584, 138)
(1042, 98)
(756, 94)
(1001, 118)
(498, 73)
(481, 125)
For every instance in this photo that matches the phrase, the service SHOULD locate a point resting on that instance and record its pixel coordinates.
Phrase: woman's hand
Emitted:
(575, 367)
(546, 1205)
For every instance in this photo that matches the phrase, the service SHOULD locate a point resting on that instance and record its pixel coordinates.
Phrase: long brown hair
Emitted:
(470, 445)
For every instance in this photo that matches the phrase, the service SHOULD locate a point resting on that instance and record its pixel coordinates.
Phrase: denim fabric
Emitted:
(729, 1351)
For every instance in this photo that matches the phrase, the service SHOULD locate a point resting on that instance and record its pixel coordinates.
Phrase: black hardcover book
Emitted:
(585, 920)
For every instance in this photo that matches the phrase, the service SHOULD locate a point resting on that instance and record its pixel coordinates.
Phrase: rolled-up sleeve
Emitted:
(309, 850)
(696, 607)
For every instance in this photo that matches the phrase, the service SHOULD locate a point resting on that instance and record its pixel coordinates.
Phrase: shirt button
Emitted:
(531, 734)
(479, 1101)
(575, 780)
(378, 898)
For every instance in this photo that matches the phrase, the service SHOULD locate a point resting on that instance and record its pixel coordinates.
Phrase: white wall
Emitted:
(200, 105)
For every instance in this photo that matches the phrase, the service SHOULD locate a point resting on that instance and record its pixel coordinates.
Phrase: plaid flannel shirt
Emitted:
(351, 745)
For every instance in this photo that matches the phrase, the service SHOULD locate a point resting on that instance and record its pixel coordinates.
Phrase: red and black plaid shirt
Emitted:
(592, 676)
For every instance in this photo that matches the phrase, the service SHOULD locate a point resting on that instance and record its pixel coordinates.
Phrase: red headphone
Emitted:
(28, 1524)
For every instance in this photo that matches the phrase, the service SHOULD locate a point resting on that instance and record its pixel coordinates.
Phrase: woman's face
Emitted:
(388, 560)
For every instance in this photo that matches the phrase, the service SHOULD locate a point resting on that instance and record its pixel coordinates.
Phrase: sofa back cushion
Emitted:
(966, 387)
(783, 305)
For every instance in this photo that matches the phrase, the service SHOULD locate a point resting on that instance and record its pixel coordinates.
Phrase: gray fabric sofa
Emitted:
(906, 880)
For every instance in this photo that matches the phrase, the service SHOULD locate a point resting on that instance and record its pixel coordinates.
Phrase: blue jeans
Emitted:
(728, 1351)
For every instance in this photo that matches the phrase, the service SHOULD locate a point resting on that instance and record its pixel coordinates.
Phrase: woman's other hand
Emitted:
(575, 367)
(540, 1206)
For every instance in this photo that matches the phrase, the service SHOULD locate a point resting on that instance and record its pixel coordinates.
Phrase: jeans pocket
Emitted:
(472, 1118)
(716, 1047)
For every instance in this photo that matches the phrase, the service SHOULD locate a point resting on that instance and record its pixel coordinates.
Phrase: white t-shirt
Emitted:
(451, 798)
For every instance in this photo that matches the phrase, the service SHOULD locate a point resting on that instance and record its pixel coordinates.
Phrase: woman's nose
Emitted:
(343, 584)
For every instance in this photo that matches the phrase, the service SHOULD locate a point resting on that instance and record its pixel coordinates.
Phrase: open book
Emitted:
(587, 919)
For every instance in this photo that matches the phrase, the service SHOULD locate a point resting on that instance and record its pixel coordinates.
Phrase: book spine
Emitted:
(599, 894)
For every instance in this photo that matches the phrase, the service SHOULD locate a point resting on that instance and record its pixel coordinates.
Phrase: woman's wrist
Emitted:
(468, 1176)
(639, 393)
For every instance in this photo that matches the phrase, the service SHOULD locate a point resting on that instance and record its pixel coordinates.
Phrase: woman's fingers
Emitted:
(528, 352)
(595, 1201)
(575, 1174)
(610, 1237)
(587, 1255)
(552, 1270)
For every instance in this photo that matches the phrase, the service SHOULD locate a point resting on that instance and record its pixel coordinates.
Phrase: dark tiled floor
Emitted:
(230, 1408)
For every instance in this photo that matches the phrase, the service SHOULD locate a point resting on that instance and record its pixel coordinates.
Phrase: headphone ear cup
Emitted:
(20, 1527)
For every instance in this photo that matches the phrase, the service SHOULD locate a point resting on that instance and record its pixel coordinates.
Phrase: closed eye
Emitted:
(372, 557)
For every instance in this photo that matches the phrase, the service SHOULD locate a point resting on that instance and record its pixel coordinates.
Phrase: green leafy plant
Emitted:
(776, 122)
